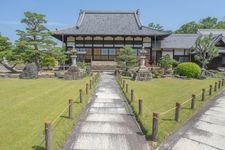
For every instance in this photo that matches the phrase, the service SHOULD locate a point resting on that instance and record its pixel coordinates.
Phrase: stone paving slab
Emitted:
(184, 144)
(204, 131)
(105, 118)
(105, 127)
(107, 123)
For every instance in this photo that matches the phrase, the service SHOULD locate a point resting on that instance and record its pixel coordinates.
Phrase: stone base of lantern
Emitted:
(74, 73)
(143, 74)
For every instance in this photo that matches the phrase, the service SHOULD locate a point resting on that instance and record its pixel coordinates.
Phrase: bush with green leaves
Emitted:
(189, 69)
(166, 62)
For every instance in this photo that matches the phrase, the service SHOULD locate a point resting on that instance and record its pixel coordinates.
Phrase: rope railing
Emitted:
(200, 96)
(46, 134)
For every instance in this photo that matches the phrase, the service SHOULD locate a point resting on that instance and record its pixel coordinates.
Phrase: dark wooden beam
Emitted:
(173, 53)
(92, 48)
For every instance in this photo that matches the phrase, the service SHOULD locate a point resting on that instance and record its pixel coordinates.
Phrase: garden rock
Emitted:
(30, 71)
(59, 74)
(73, 73)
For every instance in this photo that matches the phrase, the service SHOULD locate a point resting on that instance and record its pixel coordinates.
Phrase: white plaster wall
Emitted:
(170, 53)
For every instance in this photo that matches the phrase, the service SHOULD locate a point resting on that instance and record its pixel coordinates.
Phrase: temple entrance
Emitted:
(104, 54)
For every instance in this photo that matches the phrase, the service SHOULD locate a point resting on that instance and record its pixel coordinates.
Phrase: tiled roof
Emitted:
(213, 31)
(179, 41)
(109, 23)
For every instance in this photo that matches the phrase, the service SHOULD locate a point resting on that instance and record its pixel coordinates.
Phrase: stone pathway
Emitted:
(206, 131)
(107, 123)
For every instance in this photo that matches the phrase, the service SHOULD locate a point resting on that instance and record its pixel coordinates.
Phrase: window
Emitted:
(104, 51)
(81, 50)
(137, 51)
(112, 51)
(223, 60)
(183, 58)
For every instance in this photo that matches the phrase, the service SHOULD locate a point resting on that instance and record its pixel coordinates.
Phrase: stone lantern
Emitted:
(143, 72)
(74, 72)
(74, 57)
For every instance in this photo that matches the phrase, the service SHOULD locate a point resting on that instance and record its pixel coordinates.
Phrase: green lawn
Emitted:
(26, 104)
(160, 95)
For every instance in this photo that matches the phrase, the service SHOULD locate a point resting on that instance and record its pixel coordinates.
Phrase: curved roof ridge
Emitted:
(80, 19)
(108, 12)
(137, 18)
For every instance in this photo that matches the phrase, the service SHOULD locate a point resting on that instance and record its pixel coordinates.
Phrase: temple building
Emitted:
(99, 35)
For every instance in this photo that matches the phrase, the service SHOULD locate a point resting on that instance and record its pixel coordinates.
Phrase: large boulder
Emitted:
(30, 71)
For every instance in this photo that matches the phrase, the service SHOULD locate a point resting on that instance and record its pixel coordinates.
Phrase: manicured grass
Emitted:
(26, 104)
(160, 95)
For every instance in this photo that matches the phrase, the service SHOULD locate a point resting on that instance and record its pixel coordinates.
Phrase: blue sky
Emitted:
(63, 13)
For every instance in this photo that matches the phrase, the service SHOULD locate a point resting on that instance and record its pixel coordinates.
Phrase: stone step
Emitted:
(108, 104)
(105, 117)
(109, 110)
(105, 127)
(103, 65)
(90, 141)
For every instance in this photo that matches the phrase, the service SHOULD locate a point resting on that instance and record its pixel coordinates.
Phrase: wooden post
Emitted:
(48, 135)
(123, 84)
(193, 101)
(215, 87)
(90, 84)
(155, 126)
(210, 89)
(70, 108)
(203, 94)
(222, 82)
(126, 88)
(86, 88)
(131, 95)
(81, 96)
(177, 113)
(140, 106)
(219, 85)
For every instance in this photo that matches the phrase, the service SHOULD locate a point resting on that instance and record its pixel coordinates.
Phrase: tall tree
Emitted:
(205, 50)
(205, 23)
(155, 26)
(35, 42)
(190, 27)
(126, 58)
(208, 23)
(8, 55)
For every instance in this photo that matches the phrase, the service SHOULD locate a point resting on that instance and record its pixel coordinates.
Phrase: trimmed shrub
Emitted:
(189, 69)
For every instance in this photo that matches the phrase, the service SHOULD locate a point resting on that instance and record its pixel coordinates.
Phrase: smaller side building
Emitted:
(181, 46)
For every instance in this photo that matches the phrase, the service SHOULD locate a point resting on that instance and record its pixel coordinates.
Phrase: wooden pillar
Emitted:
(131, 95)
(193, 101)
(177, 113)
(222, 82)
(86, 88)
(210, 89)
(92, 48)
(81, 95)
(70, 108)
(90, 84)
(215, 87)
(126, 88)
(140, 106)
(48, 136)
(155, 126)
(219, 85)
(203, 94)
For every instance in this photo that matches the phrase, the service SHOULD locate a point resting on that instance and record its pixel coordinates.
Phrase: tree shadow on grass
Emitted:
(37, 147)
(168, 119)
(63, 116)
(186, 108)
